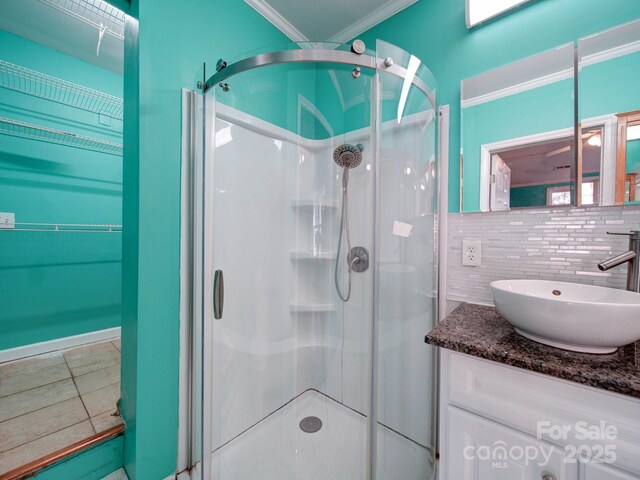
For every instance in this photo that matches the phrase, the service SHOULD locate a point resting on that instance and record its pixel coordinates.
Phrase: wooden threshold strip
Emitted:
(31, 468)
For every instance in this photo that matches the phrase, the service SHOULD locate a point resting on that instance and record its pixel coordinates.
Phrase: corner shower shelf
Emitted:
(46, 134)
(24, 80)
(62, 227)
(311, 306)
(309, 255)
(310, 205)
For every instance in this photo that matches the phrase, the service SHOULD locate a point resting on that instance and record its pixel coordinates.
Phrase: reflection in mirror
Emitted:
(628, 158)
(61, 119)
(632, 171)
(518, 135)
(609, 68)
(539, 174)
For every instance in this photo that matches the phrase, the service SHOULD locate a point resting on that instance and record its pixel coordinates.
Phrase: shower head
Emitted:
(347, 155)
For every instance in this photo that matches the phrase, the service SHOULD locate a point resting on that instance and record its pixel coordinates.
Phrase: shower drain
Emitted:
(310, 424)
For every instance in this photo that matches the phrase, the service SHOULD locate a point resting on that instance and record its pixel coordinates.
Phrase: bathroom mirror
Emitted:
(609, 101)
(61, 119)
(518, 135)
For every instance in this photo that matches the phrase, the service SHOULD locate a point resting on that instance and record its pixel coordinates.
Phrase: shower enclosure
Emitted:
(315, 254)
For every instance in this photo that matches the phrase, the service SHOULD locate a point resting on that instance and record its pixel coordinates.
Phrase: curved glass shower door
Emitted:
(406, 294)
(319, 210)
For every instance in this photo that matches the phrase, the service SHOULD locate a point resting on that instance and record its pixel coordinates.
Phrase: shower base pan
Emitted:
(277, 448)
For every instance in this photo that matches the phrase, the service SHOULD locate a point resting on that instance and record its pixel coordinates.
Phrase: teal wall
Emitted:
(173, 44)
(92, 464)
(435, 31)
(55, 285)
(633, 155)
(610, 87)
(535, 195)
(535, 111)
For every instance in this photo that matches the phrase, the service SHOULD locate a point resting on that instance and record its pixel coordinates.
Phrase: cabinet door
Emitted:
(480, 449)
(605, 472)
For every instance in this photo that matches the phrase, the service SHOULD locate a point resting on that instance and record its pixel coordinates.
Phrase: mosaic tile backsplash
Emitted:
(564, 244)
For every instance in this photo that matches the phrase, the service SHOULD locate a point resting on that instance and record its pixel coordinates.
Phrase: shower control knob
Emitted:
(388, 62)
(548, 476)
(358, 259)
(358, 47)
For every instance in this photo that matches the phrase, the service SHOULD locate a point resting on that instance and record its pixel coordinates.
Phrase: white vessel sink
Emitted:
(581, 318)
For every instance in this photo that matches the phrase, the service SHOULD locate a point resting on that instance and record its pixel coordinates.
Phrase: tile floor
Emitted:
(51, 401)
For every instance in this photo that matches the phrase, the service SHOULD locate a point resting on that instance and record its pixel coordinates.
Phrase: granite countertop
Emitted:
(482, 332)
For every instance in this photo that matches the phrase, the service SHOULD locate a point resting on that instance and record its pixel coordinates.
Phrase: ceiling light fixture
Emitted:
(595, 141)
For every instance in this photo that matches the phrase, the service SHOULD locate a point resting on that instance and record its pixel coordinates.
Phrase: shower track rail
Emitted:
(31, 82)
(62, 227)
(45, 134)
(319, 56)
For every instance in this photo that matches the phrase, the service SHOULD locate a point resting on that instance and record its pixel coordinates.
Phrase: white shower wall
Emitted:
(284, 329)
(254, 343)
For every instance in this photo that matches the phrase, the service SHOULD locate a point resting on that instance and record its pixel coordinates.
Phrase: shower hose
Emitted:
(344, 228)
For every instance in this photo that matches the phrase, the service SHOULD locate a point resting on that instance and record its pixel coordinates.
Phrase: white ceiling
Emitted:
(327, 20)
(41, 23)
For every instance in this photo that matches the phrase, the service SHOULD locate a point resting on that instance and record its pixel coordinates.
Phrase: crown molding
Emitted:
(365, 23)
(379, 15)
(277, 20)
(585, 61)
(611, 53)
(519, 88)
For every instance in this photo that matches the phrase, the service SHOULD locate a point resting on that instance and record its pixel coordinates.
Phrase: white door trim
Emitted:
(443, 210)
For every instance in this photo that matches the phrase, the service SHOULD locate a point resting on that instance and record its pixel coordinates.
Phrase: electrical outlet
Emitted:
(472, 253)
(7, 220)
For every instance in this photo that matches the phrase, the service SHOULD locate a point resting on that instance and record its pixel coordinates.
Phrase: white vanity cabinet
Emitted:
(485, 445)
(605, 472)
(504, 423)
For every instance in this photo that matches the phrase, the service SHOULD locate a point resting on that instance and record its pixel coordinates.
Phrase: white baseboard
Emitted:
(57, 344)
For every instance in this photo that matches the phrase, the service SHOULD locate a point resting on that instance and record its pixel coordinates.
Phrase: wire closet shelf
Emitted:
(37, 132)
(38, 84)
(62, 227)
(96, 13)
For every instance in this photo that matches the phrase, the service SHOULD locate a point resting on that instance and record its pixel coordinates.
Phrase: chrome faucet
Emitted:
(632, 256)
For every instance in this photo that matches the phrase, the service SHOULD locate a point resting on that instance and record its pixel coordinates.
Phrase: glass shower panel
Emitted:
(289, 360)
(406, 289)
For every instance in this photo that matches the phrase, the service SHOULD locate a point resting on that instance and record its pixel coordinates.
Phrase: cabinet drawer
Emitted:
(605, 472)
(480, 449)
(529, 402)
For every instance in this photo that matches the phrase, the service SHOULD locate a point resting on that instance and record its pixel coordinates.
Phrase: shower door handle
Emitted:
(218, 294)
